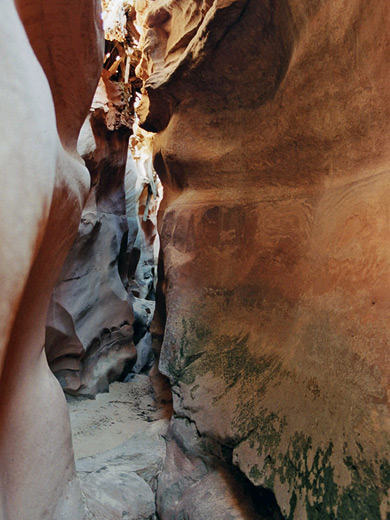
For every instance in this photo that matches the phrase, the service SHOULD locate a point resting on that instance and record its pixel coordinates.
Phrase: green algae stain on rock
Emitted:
(362, 499)
(191, 346)
(308, 476)
(255, 474)
(310, 480)
(293, 505)
(281, 458)
(227, 357)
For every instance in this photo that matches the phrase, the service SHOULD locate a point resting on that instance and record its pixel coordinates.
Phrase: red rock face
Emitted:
(273, 151)
(44, 186)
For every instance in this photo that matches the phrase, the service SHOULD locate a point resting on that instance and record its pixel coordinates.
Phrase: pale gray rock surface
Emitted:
(112, 493)
(143, 454)
(120, 450)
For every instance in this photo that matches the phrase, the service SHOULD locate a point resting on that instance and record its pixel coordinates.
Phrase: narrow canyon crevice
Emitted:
(195, 250)
(99, 318)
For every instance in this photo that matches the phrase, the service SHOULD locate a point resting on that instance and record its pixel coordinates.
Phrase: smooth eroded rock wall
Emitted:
(99, 318)
(51, 58)
(272, 147)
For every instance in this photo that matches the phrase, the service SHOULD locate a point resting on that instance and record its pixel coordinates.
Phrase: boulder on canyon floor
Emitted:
(119, 449)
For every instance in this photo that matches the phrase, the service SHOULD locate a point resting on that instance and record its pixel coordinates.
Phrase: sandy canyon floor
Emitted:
(119, 449)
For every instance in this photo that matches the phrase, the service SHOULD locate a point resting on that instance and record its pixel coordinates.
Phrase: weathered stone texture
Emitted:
(101, 309)
(272, 122)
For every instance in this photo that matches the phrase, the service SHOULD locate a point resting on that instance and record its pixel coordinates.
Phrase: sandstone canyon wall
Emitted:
(90, 311)
(51, 58)
(272, 123)
(103, 303)
(99, 317)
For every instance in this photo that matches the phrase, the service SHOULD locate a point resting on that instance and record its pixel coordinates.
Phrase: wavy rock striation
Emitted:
(99, 318)
(272, 121)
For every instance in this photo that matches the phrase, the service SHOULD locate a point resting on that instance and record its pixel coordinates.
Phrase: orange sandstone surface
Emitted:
(272, 122)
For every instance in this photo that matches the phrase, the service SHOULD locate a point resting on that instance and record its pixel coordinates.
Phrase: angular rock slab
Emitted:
(143, 454)
(114, 493)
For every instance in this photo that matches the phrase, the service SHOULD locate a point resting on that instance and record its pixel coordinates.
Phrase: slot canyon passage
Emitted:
(195, 246)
